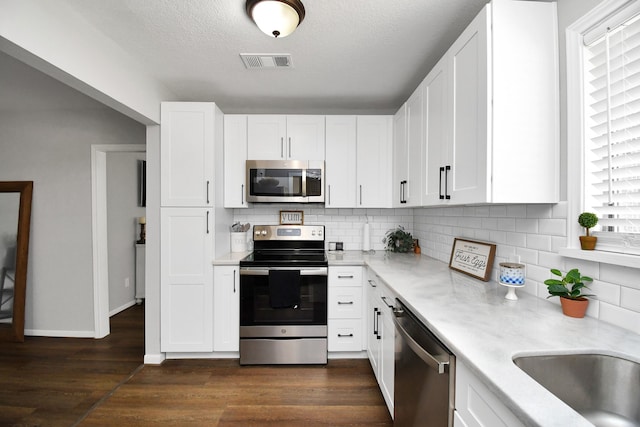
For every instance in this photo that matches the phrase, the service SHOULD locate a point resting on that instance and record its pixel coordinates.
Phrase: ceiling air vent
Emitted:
(262, 60)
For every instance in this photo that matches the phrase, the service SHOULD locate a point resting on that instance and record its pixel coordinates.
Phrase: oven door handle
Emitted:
(264, 271)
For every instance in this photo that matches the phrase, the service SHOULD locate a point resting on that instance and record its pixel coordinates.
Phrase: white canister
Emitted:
(239, 241)
(512, 273)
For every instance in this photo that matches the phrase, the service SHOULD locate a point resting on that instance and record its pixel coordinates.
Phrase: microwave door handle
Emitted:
(304, 183)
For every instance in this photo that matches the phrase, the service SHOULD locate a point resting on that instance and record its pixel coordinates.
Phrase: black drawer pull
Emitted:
(345, 303)
(346, 277)
(345, 335)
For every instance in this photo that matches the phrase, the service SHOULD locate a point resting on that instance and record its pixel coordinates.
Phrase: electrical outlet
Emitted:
(127, 282)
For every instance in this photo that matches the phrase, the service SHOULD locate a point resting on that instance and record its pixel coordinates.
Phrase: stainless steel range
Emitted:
(283, 296)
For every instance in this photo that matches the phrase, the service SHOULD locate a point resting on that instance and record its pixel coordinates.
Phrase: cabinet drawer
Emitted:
(345, 302)
(345, 276)
(345, 335)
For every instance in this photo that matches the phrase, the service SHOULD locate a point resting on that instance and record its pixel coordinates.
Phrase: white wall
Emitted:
(122, 225)
(46, 133)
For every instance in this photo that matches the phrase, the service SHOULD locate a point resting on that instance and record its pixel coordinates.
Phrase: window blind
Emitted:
(612, 150)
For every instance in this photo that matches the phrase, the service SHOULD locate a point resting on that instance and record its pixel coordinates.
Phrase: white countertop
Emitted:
(232, 258)
(485, 331)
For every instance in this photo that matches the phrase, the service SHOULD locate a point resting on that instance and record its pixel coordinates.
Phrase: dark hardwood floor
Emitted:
(87, 382)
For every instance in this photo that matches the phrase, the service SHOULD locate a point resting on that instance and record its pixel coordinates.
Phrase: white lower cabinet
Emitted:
(476, 405)
(226, 308)
(345, 308)
(186, 287)
(381, 335)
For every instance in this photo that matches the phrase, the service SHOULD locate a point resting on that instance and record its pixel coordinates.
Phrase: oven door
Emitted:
(260, 319)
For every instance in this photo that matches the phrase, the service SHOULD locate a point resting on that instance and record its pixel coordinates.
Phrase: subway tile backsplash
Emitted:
(532, 232)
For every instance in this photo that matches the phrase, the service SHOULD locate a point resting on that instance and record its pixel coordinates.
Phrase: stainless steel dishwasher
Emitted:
(424, 374)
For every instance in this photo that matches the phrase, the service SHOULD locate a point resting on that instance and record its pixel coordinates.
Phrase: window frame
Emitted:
(576, 132)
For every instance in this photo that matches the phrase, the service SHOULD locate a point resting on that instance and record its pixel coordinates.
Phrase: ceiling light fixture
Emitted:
(276, 18)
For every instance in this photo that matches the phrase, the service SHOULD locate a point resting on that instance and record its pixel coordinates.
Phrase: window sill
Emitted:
(614, 258)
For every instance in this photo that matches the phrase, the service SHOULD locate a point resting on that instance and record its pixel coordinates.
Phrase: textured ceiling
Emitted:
(349, 56)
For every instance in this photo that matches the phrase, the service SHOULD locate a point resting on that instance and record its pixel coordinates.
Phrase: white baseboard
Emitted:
(122, 308)
(347, 355)
(59, 334)
(154, 359)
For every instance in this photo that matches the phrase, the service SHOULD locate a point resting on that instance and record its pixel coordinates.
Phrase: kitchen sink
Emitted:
(603, 389)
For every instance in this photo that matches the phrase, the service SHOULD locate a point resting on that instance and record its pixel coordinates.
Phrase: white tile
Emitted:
(527, 256)
(558, 243)
(490, 223)
(526, 225)
(624, 318)
(549, 260)
(553, 226)
(498, 211)
(560, 210)
(516, 239)
(605, 292)
(507, 224)
(539, 241)
(629, 277)
(517, 211)
(482, 211)
(539, 211)
(630, 299)
(537, 273)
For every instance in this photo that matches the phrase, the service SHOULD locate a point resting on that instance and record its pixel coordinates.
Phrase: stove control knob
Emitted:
(313, 232)
(264, 232)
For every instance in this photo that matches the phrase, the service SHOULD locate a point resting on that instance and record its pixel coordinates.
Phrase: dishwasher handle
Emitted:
(435, 362)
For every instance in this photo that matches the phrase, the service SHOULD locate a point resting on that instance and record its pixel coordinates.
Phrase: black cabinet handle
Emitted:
(378, 336)
(345, 303)
(441, 196)
(350, 276)
(403, 197)
(234, 281)
(207, 222)
(207, 192)
(375, 322)
(446, 182)
(344, 335)
(242, 194)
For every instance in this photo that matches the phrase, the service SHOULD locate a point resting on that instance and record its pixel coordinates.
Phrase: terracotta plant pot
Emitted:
(588, 243)
(574, 307)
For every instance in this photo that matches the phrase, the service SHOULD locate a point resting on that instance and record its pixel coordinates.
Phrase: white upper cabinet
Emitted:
(415, 143)
(437, 137)
(400, 157)
(187, 153)
(340, 162)
(277, 137)
(500, 143)
(235, 157)
(374, 165)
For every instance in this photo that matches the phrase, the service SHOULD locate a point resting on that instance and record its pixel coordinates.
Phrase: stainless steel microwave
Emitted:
(285, 181)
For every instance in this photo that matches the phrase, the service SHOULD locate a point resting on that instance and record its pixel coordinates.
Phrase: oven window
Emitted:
(275, 182)
(256, 310)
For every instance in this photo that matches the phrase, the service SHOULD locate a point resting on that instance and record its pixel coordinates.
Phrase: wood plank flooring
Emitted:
(86, 382)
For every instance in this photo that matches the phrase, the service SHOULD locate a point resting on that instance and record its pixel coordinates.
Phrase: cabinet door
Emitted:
(266, 136)
(470, 162)
(186, 153)
(372, 321)
(186, 280)
(415, 142)
(437, 115)
(374, 165)
(400, 157)
(235, 157)
(387, 350)
(226, 308)
(340, 162)
(305, 138)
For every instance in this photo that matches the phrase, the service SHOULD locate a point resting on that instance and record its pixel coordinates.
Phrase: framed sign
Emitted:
(292, 217)
(472, 258)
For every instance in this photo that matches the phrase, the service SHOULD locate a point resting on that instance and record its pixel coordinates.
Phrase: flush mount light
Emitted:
(276, 18)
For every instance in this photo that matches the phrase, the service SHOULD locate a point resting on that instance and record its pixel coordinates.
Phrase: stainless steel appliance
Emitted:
(289, 181)
(424, 389)
(283, 296)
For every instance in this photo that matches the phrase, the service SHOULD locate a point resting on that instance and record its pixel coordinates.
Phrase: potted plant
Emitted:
(569, 289)
(588, 220)
(398, 240)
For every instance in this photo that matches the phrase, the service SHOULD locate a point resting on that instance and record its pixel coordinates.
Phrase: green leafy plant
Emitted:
(587, 220)
(398, 240)
(569, 286)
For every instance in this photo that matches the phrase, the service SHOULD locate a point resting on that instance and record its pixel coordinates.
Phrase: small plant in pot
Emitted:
(569, 289)
(398, 240)
(588, 220)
